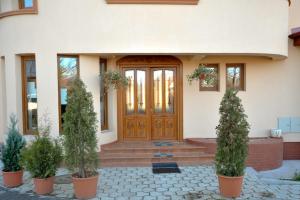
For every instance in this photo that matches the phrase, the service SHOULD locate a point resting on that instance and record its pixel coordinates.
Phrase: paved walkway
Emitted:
(140, 183)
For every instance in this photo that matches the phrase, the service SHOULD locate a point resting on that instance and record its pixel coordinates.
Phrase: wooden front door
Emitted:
(148, 107)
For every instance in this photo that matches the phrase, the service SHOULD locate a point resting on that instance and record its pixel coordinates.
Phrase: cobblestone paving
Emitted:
(193, 183)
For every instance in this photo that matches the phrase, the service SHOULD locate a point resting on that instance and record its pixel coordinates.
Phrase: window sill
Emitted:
(27, 11)
(174, 2)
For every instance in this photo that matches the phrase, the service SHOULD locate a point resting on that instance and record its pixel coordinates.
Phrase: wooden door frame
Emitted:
(147, 60)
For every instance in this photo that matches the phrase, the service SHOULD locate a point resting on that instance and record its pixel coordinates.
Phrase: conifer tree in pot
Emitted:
(80, 142)
(232, 145)
(12, 171)
(42, 158)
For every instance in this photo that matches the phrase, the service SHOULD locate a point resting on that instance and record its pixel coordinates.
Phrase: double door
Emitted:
(149, 103)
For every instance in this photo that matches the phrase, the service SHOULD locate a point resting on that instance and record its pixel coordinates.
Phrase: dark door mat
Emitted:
(163, 144)
(163, 155)
(159, 168)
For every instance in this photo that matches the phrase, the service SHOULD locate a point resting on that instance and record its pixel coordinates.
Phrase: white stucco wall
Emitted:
(95, 29)
(212, 26)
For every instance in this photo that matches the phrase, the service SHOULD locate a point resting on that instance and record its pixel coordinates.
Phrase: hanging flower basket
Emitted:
(114, 79)
(203, 73)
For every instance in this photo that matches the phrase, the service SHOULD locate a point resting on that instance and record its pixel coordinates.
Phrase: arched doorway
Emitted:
(150, 108)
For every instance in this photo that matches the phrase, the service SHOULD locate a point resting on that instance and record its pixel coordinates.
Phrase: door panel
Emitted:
(163, 91)
(149, 103)
(136, 118)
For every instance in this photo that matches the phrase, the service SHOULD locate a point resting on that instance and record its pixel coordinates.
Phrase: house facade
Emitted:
(155, 44)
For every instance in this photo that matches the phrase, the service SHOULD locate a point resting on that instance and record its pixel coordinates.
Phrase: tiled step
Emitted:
(152, 149)
(136, 154)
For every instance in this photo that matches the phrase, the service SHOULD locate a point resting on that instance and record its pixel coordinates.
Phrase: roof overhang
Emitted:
(295, 36)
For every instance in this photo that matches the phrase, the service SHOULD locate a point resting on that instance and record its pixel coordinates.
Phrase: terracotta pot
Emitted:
(13, 179)
(43, 186)
(85, 188)
(230, 187)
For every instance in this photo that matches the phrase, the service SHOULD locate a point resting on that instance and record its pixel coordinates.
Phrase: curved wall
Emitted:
(211, 27)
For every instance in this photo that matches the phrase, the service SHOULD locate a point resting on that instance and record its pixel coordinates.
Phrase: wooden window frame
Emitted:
(21, 10)
(170, 2)
(59, 86)
(26, 131)
(242, 75)
(22, 5)
(211, 89)
(105, 99)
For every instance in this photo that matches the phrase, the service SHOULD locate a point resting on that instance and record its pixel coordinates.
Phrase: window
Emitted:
(26, 4)
(29, 95)
(68, 70)
(235, 76)
(103, 96)
(209, 79)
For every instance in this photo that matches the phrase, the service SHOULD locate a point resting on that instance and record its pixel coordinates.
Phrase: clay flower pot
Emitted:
(13, 179)
(230, 187)
(85, 188)
(43, 186)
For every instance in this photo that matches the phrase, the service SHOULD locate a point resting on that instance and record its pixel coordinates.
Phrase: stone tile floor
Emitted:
(198, 182)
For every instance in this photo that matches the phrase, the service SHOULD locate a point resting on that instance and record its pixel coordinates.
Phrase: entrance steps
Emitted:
(143, 154)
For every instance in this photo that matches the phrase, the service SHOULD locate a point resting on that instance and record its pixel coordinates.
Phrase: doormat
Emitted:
(163, 144)
(160, 168)
(163, 155)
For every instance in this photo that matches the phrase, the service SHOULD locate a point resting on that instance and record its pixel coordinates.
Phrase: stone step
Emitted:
(135, 154)
(155, 159)
(153, 149)
(109, 155)
(105, 164)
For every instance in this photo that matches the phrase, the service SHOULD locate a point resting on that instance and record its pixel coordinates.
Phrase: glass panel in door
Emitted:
(169, 91)
(158, 90)
(141, 91)
(129, 74)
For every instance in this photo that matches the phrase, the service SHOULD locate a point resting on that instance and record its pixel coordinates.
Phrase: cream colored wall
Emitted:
(270, 93)
(8, 5)
(2, 100)
(212, 26)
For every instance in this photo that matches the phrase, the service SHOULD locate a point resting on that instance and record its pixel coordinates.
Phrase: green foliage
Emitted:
(42, 157)
(203, 72)
(232, 133)
(12, 148)
(296, 176)
(114, 79)
(79, 129)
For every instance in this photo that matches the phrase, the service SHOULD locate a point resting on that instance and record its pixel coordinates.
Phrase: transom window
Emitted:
(235, 76)
(209, 79)
(68, 70)
(29, 94)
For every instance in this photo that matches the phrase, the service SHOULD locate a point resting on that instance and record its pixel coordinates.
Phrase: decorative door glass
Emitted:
(157, 90)
(129, 74)
(141, 91)
(169, 91)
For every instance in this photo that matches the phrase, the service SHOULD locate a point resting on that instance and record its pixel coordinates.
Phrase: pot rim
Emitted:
(88, 178)
(20, 171)
(43, 179)
(230, 177)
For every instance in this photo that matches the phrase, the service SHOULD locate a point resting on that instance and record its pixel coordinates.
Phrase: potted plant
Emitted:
(232, 145)
(42, 158)
(12, 171)
(114, 79)
(80, 142)
(203, 73)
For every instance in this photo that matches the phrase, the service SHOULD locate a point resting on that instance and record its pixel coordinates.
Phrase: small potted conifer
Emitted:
(232, 145)
(42, 158)
(80, 142)
(12, 171)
